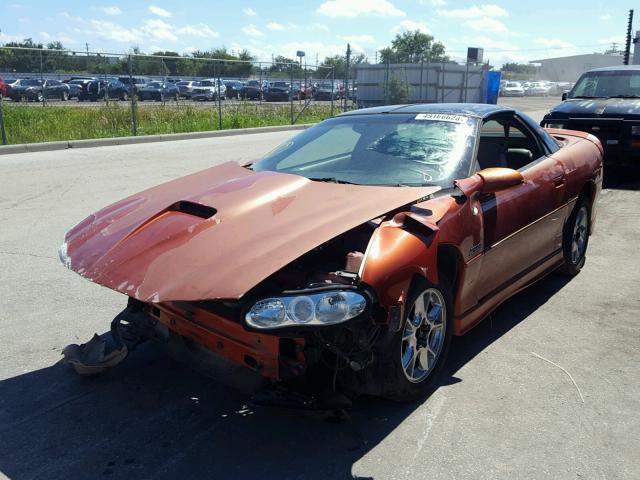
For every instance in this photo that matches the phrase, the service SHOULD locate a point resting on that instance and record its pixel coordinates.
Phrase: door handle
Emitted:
(558, 182)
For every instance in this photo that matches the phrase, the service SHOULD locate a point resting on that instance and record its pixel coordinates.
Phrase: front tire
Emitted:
(415, 355)
(575, 238)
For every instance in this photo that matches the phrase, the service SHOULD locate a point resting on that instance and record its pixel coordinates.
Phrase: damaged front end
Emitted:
(252, 272)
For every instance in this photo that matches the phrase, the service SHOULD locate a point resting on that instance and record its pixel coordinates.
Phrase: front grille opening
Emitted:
(192, 208)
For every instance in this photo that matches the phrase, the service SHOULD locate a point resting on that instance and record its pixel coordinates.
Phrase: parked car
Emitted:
(207, 90)
(352, 253)
(277, 92)
(99, 89)
(233, 88)
(565, 87)
(37, 90)
(606, 103)
(512, 89)
(326, 91)
(134, 83)
(76, 85)
(4, 89)
(186, 87)
(537, 89)
(251, 90)
(159, 91)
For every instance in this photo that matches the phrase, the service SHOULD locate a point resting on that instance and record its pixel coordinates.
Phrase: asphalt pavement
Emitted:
(546, 388)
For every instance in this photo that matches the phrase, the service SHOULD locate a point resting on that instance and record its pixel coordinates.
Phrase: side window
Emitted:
(521, 147)
(507, 143)
(492, 148)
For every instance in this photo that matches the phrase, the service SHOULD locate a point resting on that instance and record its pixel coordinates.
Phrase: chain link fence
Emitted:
(68, 95)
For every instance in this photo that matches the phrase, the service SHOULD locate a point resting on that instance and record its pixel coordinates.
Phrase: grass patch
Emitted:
(34, 123)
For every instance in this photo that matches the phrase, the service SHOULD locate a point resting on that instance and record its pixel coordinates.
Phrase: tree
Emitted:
(413, 47)
(397, 91)
(513, 67)
(339, 64)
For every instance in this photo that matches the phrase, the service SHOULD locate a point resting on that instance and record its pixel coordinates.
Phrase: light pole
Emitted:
(300, 54)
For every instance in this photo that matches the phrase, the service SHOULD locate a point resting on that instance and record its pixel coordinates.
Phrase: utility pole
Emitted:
(627, 47)
(346, 78)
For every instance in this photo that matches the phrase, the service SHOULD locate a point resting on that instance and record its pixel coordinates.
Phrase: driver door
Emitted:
(522, 224)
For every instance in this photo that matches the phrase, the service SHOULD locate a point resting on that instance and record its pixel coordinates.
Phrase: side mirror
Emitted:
(564, 96)
(495, 179)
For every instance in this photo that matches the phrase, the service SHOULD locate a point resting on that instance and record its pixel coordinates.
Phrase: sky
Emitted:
(509, 31)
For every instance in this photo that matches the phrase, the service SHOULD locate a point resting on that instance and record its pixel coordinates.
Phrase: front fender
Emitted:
(394, 256)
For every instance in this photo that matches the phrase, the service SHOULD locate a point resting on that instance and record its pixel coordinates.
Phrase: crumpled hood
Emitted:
(600, 107)
(219, 232)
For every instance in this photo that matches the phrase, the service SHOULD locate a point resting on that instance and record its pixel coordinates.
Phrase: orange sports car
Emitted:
(352, 253)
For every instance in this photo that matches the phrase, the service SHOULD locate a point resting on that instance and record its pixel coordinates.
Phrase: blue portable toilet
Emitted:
(492, 84)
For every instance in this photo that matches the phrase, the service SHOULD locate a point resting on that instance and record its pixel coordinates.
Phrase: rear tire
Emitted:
(413, 358)
(575, 238)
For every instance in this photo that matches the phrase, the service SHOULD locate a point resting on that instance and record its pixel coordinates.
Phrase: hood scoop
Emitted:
(192, 208)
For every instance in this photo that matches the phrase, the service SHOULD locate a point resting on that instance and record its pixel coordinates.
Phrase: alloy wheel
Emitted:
(579, 237)
(423, 335)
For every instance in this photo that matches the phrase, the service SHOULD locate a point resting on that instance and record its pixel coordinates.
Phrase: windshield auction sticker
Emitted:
(441, 117)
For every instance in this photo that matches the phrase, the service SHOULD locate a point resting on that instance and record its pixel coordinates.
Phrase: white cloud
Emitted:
(158, 30)
(249, 12)
(438, 3)
(410, 26)
(554, 43)
(113, 32)
(486, 24)
(64, 38)
(475, 11)
(320, 26)
(200, 30)
(606, 16)
(619, 39)
(67, 15)
(275, 26)
(45, 36)
(112, 10)
(252, 31)
(4, 38)
(161, 12)
(357, 38)
(355, 8)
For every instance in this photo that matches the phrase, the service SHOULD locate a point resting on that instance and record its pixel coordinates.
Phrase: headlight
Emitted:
(323, 308)
(635, 130)
(555, 125)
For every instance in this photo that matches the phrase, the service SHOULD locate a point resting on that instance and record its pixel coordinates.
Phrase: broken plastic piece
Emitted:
(96, 356)
(354, 260)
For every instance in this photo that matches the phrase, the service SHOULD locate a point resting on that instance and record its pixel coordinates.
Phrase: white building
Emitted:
(568, 69)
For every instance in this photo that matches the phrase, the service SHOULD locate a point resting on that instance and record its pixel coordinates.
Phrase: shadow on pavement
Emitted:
(153, 418)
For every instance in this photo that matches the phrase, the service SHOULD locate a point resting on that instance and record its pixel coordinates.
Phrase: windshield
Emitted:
(30, 82)
(154, 85)
(620, 83)
(391, 149)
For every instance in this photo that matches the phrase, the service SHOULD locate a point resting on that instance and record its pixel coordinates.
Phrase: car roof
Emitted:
(471, 109)
(614, 68)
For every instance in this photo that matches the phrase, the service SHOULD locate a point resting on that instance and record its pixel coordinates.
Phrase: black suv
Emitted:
(606, 103)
